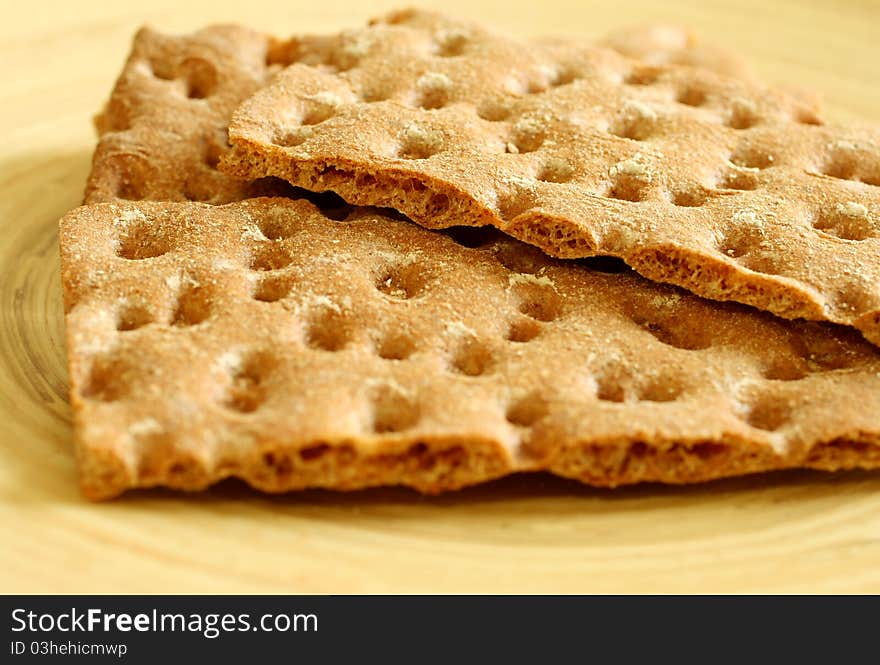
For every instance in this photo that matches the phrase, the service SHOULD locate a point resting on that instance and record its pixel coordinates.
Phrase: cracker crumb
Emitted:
(743, 106)
(513, 86)
(852, 209)
(459, 328)
(394, 291)
(173, 281)
(548, 72)
(748, 217)
(452, 38)
(738, 167)
(639, 109)
(667, 301)
(145, 427)
(417, 134)
(324, 301)
(558, 168)
(223, 264)
(434, 82)
(229, 362)
(520, 181)
(530, 125)
(252, 232)
(128, 216)
(842, 145)
(526, 278)
(354, 46)
(325, 98)
(632, 168)
(388, 384)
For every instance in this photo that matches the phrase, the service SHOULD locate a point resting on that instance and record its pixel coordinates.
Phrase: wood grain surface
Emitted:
(792, 532)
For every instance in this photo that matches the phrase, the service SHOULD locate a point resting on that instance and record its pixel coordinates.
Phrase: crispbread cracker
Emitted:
(268, 341)
(732, 190)
(163, 129)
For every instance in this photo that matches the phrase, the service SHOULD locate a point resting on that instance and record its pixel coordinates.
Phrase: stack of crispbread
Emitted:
(249, 291)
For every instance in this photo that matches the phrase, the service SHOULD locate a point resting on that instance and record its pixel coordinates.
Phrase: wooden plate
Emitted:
(790, 532)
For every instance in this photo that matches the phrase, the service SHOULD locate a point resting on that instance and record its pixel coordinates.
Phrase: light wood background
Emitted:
(794, 532)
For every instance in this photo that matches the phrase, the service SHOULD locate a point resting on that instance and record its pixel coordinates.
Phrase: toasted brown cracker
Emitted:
(268, 341)
(164, 128)
(729, 189)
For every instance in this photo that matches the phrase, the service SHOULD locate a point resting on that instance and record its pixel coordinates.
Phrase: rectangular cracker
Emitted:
(729, 189)
(270, 341)
(163, 130)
